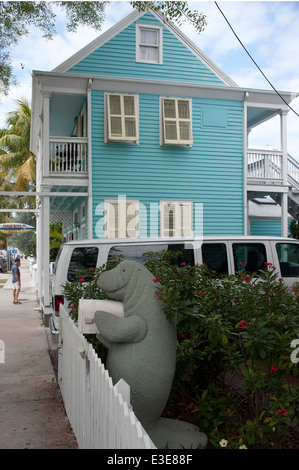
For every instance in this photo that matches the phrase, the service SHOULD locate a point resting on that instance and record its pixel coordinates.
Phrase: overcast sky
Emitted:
(268, 29)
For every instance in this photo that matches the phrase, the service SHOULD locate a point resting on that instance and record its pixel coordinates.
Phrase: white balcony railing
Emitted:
(264, 164)
(68, 155)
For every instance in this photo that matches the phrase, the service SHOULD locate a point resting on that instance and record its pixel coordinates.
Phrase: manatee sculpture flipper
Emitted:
(120, 330)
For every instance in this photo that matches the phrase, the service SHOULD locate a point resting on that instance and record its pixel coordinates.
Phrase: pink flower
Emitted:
(284, 411)
(274, 368)
(242, 324)
(82, 279)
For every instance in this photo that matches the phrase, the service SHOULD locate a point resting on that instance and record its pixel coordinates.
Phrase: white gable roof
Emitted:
(124, 23)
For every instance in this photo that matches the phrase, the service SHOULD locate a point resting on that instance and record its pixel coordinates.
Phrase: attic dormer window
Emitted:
(149, 44)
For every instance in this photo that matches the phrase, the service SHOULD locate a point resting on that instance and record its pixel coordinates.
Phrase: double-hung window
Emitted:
(176, 218)
(149, 44)
(176, 121)
(122, 117)
(122, 218)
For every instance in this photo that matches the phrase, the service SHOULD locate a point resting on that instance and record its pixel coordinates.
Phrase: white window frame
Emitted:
(83, 211)
(176, 120)
(83, 231)
(75, 227)
(119, 224)
(182, 218)
(121, 137)
(159, 46)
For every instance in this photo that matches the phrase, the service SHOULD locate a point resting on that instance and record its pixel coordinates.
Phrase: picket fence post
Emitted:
(98, 411)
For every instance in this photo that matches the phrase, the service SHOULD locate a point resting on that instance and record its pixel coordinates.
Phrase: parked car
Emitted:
(225, 255)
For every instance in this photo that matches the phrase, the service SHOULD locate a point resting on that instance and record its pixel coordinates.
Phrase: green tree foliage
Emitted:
(180, 12)
(16, 18)
(17, 163)
(25, 241)
(294, 229)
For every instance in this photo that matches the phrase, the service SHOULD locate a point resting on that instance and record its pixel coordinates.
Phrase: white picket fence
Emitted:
(99, 413)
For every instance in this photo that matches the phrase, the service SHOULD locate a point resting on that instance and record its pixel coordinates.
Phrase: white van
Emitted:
(226, 255)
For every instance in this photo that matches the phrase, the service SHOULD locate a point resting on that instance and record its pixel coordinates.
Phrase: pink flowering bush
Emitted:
(234, 374)
(233, 358)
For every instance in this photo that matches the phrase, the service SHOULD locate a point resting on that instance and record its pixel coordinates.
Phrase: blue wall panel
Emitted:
(271, 228)
(209, 173)
(117, 57)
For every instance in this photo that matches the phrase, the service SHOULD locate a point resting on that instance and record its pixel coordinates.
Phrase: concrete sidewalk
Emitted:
(31, 408)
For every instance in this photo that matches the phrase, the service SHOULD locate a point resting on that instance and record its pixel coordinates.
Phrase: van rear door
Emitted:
(286, 257)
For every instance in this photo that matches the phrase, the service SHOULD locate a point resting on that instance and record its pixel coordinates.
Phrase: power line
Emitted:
(247, 52)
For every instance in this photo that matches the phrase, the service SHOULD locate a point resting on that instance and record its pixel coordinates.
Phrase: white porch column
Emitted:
(39, 257)
(89, 204)
(44, 256)
(46, 250)
(284, 169)
(46, 134)
(246, 225)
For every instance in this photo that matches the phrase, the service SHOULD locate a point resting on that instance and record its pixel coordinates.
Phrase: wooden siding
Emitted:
(117, 58)
(210, 173)
(271, 228)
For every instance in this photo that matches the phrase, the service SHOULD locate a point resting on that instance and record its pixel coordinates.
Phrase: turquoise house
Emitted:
(140, 134)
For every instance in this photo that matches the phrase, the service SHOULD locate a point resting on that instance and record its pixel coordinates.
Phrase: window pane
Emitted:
(130, 127)
(214, 256)
(170, 130)
(169, 109)
(149, 53)
(137, 252)
(249, 256)
(82, 259)
(184, 131)
(129, 105)
(183, 106)
(288, 255)
(115, 125)
(149, 36)
(114, 101)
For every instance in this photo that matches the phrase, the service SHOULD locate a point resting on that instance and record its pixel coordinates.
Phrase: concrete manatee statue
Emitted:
(142, 351)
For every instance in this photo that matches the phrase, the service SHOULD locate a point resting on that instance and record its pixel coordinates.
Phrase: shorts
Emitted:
(15, 285)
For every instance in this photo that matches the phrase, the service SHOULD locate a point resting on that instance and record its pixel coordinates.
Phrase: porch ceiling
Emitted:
(256, 116)
(65, 203)
(63, 110)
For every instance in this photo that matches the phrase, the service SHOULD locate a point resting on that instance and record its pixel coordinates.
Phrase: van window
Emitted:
(250, 257)
(57, 258)
(82, 259)
(288, 255)
(136, 252)
(214, 256)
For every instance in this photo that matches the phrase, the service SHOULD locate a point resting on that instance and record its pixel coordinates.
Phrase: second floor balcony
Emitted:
(68, 155)
(266, 167)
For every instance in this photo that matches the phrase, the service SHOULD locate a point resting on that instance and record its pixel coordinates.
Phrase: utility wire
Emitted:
(292, 109)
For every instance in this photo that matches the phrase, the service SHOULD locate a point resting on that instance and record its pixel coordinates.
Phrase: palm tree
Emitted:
(17, 163)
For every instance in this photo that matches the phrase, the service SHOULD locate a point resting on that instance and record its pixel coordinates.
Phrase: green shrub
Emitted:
(234, 371)
(234, 350)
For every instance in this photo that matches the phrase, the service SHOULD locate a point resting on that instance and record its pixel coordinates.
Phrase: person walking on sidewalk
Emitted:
(16, 280)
